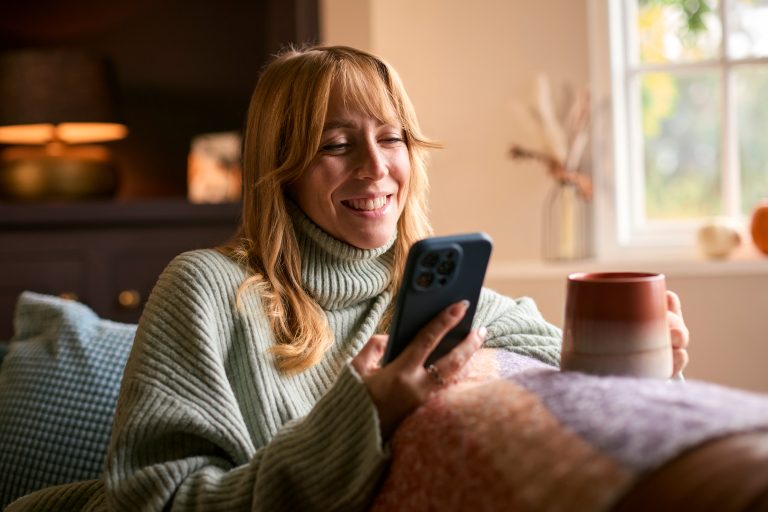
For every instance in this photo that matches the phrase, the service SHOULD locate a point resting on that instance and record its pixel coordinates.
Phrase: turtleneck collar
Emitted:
(338, 275)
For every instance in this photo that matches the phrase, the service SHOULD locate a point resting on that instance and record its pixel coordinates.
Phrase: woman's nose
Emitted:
(373, 162)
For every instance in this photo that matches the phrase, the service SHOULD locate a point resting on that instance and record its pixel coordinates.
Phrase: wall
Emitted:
(465, 64)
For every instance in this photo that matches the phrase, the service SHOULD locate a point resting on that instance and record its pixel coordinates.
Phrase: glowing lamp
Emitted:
(54, 105)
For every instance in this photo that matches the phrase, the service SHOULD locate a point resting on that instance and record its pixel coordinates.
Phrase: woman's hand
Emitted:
(404, 384)
(678, 333)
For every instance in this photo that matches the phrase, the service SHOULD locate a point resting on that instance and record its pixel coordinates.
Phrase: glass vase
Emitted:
(566, 217)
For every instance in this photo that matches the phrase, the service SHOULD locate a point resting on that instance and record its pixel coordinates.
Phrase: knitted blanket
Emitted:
(539, 439)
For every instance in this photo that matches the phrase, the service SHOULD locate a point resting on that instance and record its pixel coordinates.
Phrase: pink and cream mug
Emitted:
(616, 324)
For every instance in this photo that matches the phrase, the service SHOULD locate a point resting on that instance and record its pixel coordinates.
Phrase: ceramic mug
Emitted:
(616, 324)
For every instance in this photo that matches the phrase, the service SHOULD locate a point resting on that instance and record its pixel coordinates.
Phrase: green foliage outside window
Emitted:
(693, 11)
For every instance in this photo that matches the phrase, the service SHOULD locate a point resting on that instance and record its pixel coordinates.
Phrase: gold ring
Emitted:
(434, 374)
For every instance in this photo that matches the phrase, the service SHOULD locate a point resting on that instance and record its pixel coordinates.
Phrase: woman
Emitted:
(254, 381)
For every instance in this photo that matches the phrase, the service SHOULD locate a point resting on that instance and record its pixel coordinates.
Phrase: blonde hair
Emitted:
(282, 136)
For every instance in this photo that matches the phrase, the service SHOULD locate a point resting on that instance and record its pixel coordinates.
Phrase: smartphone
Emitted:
(439, 271)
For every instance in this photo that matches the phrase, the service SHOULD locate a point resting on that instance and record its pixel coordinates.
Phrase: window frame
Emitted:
(621, 232)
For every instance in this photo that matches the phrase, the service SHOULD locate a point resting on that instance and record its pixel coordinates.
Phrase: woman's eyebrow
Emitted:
(332, 124)
(337, 123)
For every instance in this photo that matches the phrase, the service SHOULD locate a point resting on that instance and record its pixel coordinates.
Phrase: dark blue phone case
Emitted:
(439, 272)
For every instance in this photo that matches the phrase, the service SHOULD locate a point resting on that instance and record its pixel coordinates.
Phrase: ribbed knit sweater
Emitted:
(205, 420)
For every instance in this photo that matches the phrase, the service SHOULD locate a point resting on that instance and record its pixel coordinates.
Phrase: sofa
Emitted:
(516, 435)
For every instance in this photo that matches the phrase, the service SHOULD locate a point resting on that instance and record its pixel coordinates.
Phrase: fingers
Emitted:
(401, 386)
(678, 331)
(673, 303)
(450, 368)
(428, 338)
(679, 360)
(367, 360)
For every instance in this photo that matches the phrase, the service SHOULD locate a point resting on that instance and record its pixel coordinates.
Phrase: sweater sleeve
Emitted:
(517, 325)
(180, 441)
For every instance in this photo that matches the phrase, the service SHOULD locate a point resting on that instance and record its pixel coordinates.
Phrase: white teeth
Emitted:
(367, 204)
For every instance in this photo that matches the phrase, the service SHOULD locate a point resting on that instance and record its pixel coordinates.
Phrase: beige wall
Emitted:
(464, 63)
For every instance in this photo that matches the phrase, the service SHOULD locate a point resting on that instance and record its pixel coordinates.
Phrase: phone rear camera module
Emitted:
(425, 279)
(446, 267)
(430, 260)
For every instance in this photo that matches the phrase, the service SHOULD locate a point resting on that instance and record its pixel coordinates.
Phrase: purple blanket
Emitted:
(641, 423)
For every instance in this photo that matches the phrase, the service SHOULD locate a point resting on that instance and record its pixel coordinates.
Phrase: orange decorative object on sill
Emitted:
(760, 226)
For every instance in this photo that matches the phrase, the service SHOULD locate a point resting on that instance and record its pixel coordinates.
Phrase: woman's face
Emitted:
(356, 185)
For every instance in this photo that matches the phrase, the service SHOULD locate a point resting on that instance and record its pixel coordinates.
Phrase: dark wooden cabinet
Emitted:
(107, 255)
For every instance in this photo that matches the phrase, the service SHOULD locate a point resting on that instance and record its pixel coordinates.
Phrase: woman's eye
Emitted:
(338, 147)
(394, 139)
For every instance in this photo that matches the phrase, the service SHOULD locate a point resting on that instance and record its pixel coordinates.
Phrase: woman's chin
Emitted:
(370, 240)
(371, 244)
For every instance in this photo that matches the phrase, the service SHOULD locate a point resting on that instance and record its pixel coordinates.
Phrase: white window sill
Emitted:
(747, 262)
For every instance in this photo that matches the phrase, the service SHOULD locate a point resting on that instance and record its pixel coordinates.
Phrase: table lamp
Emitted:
(54, 103)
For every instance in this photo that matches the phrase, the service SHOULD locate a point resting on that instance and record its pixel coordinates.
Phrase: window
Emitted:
(684, 137)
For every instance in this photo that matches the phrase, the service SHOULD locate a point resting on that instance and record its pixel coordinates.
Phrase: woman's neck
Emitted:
(334, 273)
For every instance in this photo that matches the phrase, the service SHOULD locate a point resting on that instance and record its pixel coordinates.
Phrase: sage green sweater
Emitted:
(205, 421)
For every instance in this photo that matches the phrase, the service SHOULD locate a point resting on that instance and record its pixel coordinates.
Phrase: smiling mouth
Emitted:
(367, 205)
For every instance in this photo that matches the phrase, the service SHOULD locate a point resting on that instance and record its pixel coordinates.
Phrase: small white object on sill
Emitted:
(719, 237)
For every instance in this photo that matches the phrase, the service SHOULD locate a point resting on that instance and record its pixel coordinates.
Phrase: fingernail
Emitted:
(459, 308)
(482, 332)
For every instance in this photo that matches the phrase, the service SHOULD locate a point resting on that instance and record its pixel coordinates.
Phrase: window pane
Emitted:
(678, 30)
(681, 128)
(748, 23)
(752, 111)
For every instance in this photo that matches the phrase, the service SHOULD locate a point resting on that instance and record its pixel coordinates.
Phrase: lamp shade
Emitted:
(56, 95)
